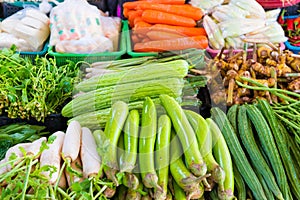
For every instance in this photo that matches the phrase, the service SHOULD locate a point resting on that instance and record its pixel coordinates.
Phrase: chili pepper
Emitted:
(296, 22)
(296, 43)
(290, 26)
(281, 19)
(297, 25)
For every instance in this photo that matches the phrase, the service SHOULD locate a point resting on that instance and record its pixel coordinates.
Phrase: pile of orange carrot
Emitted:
(164, 25)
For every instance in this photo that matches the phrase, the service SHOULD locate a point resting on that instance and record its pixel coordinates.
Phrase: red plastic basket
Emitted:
(269, 4)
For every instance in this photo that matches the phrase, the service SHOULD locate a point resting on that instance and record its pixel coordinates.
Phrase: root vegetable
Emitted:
(91, 162)
(3, 168)
(199, 42)
(63, 182)
(187, 31)
(74, 172)
(154, 17)
(72, 141)
(52, 156)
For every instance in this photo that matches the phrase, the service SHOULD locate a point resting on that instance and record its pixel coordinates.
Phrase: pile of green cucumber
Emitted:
(265, 158)
(164, 151)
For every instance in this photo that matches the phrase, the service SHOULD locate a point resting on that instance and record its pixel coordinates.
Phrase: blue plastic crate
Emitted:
(34, 54)
(294, 49)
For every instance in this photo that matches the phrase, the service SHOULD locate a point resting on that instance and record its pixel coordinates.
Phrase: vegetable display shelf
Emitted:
(63, 58)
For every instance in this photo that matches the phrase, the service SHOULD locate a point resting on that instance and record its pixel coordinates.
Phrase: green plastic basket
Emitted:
(34, 54)
(63, 58)
(130, 52)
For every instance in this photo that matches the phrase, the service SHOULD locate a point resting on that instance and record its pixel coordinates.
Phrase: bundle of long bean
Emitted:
(287, 111)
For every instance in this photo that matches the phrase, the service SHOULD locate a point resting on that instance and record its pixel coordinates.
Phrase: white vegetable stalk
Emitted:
(91, 162)
(52, 156)
(72, 141)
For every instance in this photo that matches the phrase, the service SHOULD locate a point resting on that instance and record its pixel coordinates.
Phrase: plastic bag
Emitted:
(254, 8)
(7, 40)
(29, 24)
(272, 15)
(85, 45)
(75, 23)
(273, 33)
(216, 40)
(228, 12)
(112, 29)
(237, 27)
(206, 6)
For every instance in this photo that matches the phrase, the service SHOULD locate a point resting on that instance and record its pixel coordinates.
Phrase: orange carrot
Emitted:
(187, 31)
(146, 39)
(158, 17)
(136, 20)
(131, 5)
(125, 12)
(135, 38)
(132, 14)
(182, 10)
(162, 35)
(200, 42)
(174, 2)
(141, 36)
(141, 27)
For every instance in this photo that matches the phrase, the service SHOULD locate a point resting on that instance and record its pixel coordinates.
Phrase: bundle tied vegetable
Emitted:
(33, 89)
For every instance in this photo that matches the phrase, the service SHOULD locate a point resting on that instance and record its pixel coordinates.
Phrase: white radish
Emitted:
(63, 181)
(91, 162)
(3, 168)
(73, 178)
(71, 146)
(35, 147)
(15, 151)
(52, 156)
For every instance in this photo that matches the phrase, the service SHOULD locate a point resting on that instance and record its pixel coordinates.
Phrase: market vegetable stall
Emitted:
(134, 130)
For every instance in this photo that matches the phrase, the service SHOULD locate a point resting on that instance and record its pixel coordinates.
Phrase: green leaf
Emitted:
(4, 146)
